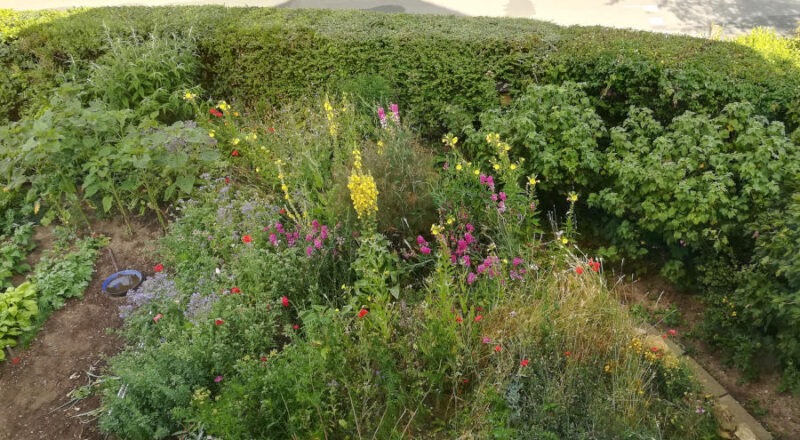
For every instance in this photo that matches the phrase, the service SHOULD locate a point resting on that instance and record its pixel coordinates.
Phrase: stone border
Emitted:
(735, 422)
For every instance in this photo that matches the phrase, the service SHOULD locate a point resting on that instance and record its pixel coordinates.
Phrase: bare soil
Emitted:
(778, 412)
(72, 342)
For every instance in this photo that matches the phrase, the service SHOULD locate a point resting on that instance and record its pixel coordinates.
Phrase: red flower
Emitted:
(15, 360)
(672, 332)
(247, 239)
(654, 349)
(157, 317)
(523, 363)
(227, 180)
(459, 319)
(282, 211)
(567, 353)
(465, 381)
(296, 327)
(497, 348)
(595, 265)
(215, 112)
(219, 321)
(285, 301)
(235, 153)
(272, 129)
(579, 270)
(263, 358)
(158, 267)
(363, 313)
(478, 318)
(236, 290)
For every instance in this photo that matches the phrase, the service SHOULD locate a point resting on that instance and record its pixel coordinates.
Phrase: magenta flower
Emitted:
(309, 251)
(218, 379)
(317, 243)
(469, 228)
(279, 228)
(494, 197)
(471, 277)
(421, 241)
(517, 261)
(487, 340)
(395, 112)
(425, 250)
(323, 233)
(469, 238)
(466, 261)
(503, 196)
(309, 237)
(273, 239)
(315, 225)
(382, 116)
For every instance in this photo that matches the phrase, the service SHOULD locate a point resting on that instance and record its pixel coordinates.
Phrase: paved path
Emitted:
(693, 17)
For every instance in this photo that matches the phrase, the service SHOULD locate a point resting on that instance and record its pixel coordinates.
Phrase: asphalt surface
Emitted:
(693, 17)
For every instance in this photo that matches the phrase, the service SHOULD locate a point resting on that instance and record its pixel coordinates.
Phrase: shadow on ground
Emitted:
(736, 15)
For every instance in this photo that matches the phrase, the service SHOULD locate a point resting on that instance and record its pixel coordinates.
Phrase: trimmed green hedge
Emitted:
(444, 70)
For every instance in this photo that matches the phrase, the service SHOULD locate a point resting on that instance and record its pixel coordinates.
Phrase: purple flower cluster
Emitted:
(199, 306)
(315, 239)
(499, 198)
(157, 287)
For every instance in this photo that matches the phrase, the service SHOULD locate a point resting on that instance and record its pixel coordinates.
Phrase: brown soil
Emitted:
(778, 412)
(71, 343)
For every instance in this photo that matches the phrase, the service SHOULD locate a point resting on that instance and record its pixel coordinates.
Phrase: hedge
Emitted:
(444, 69)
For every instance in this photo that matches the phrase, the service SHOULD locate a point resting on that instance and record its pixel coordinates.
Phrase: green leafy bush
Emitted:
(17, 312)
(14, 250)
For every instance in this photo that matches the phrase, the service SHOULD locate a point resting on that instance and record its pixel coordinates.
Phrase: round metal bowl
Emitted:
(121, 282)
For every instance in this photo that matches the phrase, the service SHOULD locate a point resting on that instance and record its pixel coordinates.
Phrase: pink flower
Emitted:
(315, 225)
(158, 267)
(459, 319)
(285, 301)
(317, 243)
(309, 237)
(471, 277)
(296, 327)
(273, 239)
(466, 260)
(218, 379)
(517, 261)
(309, 251)
(323, 233)
(382, 116)
(494, 197)
(395, 112)
(469, 228)
(672, 332)
(421, 241)
(15, 360)
(503, 196)
(425, 250)
(157, 317)
(469, 238)
(487, 340)
(478, 318)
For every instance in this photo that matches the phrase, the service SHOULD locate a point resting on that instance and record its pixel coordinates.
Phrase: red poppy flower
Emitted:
(285, 301)
(219, 321)
(478, 318)
(282, 211)
(497, 348)
(363, 313)
(567, 353)
(157, 317)
(296, 327)
(15, 360)
(523, 363)
(227, 180)
(235, 153)
(459, 319)
(215, 112)
(236, 290)
(672, 332)
(158, 267)
(247, 239)
(654, 349)
(263, 358)
(579, 270)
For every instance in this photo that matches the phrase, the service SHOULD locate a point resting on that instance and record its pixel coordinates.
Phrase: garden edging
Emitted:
(734, 421)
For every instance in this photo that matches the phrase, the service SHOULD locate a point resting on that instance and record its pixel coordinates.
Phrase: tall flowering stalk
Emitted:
(333, 128)
(363, 190)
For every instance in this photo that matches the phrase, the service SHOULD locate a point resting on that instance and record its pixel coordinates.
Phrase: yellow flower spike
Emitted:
(36, 207)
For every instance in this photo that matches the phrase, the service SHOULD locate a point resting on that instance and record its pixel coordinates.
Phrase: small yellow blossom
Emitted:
(450, 220)
(236, 114)
(235, 141)
(458, 167)
(572, 197)
(189, 96)
(564, 240)
(212, 133)
(224, 106)
(436, 229)
(512, 167)
(477, 172)
(532, 181)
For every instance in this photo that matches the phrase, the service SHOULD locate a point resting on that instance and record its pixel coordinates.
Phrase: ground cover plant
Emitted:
(355, 242)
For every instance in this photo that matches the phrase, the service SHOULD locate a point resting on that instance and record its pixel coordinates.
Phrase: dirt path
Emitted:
(73, 341)
(778, 412)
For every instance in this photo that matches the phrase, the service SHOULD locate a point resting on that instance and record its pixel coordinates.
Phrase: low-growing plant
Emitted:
(14, 250)
(18, 311)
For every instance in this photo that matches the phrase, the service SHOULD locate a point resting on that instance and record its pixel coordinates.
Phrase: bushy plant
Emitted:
(18, 311)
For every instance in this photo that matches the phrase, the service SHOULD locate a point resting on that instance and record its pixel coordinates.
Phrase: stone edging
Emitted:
(734, 421)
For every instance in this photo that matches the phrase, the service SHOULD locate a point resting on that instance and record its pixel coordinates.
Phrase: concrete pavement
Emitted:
(693, 17)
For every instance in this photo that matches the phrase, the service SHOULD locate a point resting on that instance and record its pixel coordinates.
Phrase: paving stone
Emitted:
(744, 421)
(710, 385)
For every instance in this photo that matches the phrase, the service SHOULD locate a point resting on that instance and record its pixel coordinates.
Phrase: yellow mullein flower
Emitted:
(363, 193)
